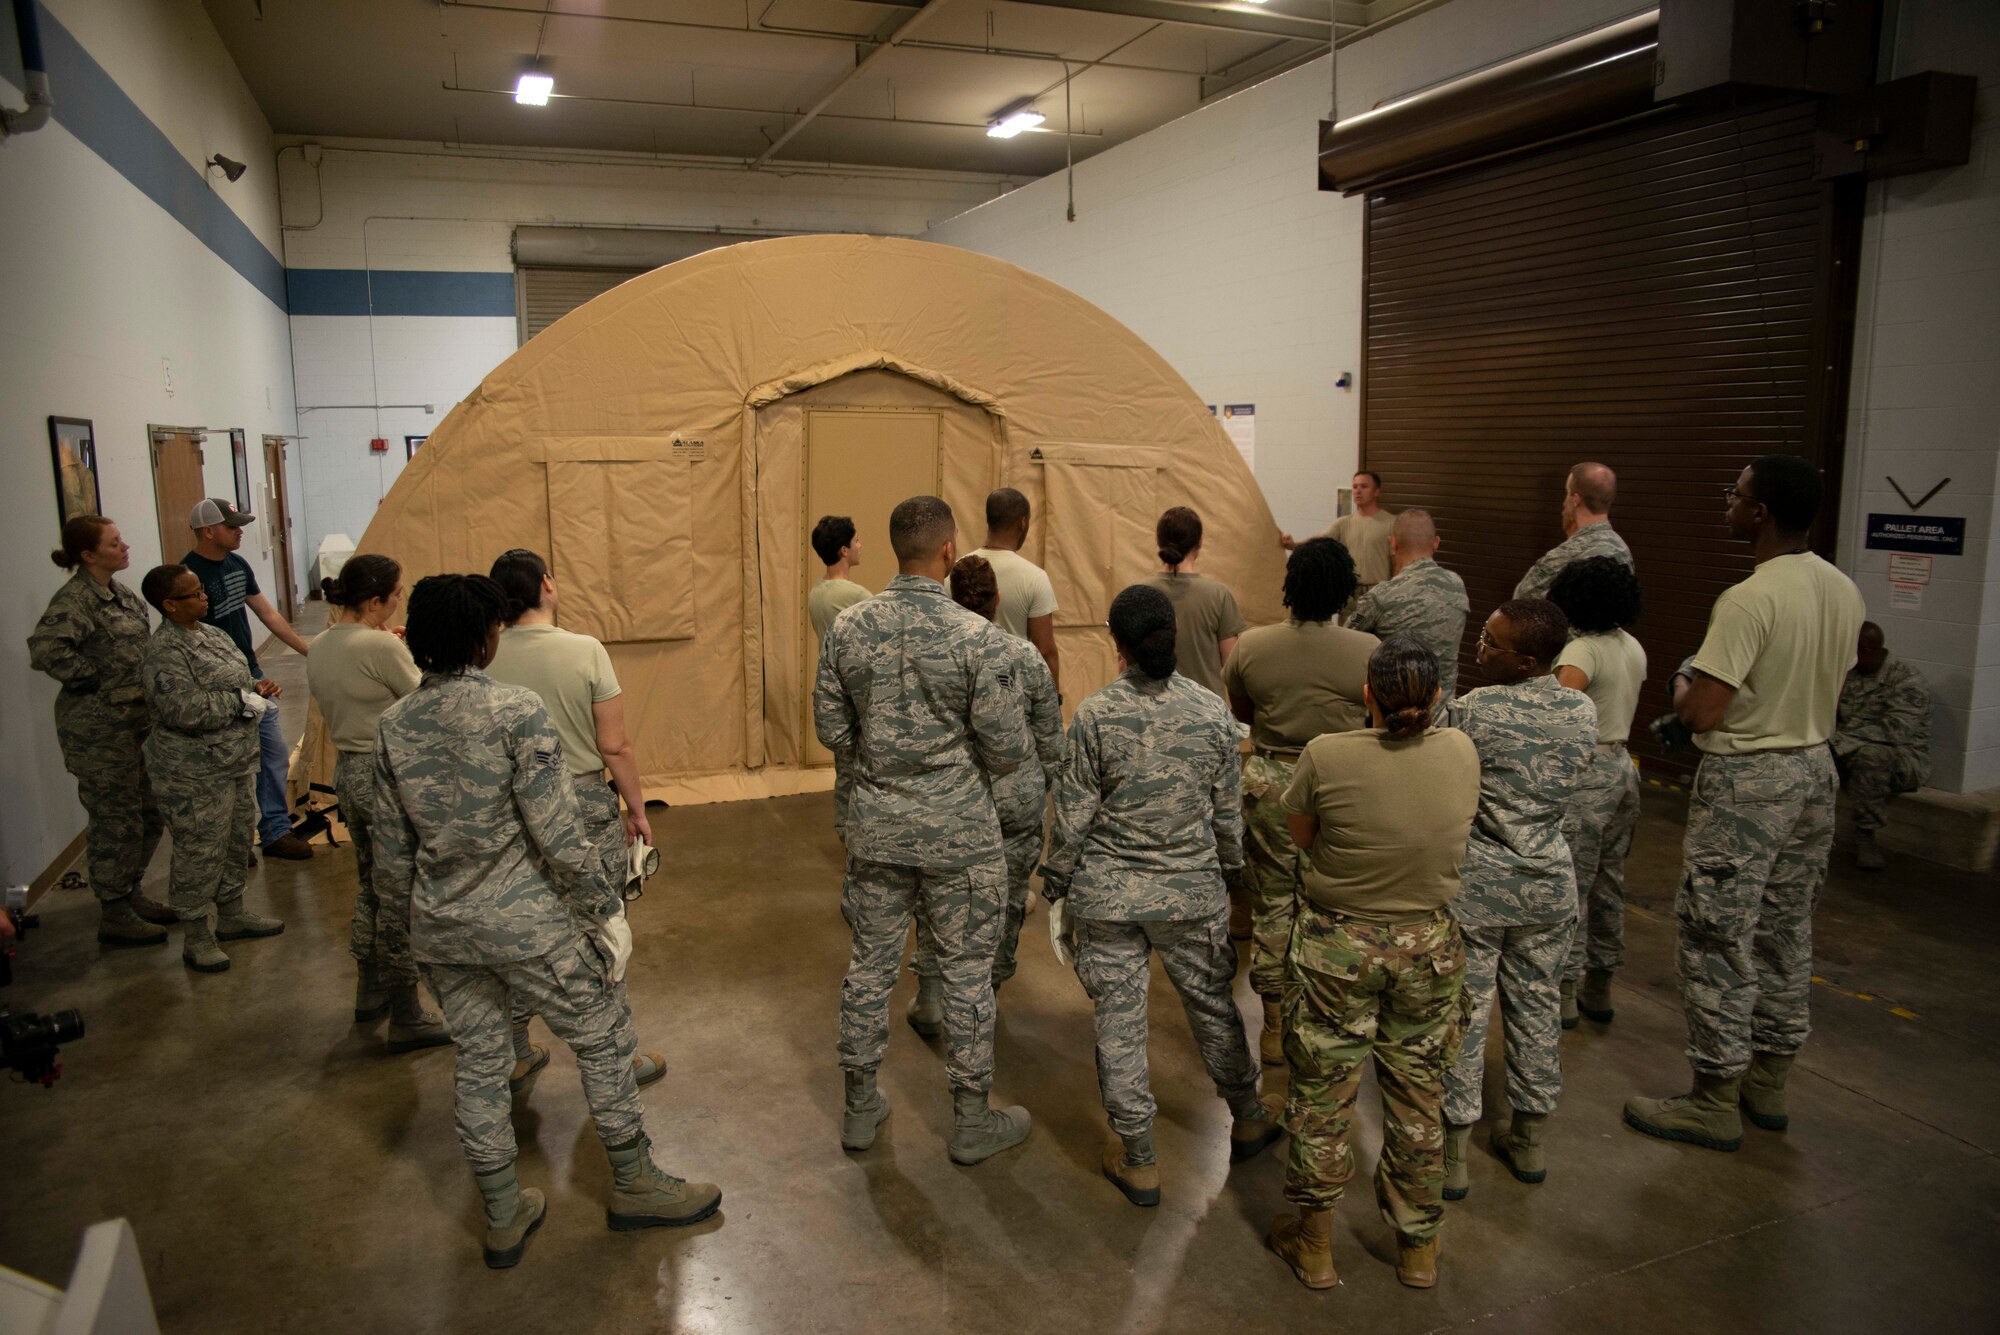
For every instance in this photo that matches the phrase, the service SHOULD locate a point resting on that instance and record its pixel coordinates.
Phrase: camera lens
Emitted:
(66, 1026)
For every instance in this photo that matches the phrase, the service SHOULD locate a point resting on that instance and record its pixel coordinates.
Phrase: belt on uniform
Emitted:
(1618, 745)
(1279, 752)
(1390, 920)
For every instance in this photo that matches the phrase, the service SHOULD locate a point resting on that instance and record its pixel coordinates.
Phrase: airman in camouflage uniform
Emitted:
(91, 640)
(1881, 737)
(1599, 539)
(1517, 907)
(202, 757)
(1148, 823)
(917, 693)
(1422, 600)
(481, 858)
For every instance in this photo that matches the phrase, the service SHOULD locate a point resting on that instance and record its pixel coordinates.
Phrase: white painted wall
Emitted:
(1925, 402)
(384, 205)
(106, 294)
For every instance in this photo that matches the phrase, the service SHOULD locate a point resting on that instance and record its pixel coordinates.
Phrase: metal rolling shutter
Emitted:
(543, 296)
(1671, 298)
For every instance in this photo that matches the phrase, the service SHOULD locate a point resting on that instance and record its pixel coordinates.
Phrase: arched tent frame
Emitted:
(638, 442)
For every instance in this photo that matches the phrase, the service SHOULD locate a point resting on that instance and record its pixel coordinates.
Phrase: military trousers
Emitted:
(1357, 990)
(368, 939)
(125, 821)
(1270, 869)
(1759, 830)
(568, 989)
(1603, 815)
(1113, 963)
(1525, 966)
(604, 885)
(958, 912)
(1873, 774)
(1023, 849)
(213, 818)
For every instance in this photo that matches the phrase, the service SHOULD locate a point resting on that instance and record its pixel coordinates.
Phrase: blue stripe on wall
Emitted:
(94, 109)
(400, 292)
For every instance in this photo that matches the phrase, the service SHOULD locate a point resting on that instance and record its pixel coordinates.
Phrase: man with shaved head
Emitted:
(1586, 518)
(1420, 599)
(1881, 737)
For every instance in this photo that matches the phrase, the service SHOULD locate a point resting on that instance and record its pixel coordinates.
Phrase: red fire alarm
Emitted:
(379, 445)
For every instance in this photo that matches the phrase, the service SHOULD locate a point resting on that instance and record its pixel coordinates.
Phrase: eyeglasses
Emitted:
(183, 597)
(1732, 492)
(1486, 643)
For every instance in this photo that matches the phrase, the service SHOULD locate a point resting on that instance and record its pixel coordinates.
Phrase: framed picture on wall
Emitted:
(239, 460)
(73, 448)
(411, 444)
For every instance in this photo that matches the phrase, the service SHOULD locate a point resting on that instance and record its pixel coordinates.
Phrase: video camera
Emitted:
(29, 1042)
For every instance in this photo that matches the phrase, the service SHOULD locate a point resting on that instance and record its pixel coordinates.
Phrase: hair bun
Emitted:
(330, 590)
(1172, 556)
(1408, 721)
(62, 559)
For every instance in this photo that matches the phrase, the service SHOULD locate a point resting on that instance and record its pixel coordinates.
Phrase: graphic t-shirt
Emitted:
(229, 583)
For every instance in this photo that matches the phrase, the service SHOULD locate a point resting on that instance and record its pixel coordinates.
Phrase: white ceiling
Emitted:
(729, 78)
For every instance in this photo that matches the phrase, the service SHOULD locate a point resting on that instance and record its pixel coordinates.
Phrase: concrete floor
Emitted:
(282, 1172)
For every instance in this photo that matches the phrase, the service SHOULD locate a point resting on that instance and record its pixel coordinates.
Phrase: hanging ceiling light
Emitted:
(1013, 120)
(533, 89)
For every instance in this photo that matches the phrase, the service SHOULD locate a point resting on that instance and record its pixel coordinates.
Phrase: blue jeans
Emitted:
(274, 819)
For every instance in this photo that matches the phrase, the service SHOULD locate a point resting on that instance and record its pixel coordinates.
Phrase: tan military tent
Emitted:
(669, 445)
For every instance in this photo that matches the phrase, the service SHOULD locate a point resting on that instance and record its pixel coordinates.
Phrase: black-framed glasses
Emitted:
(1486, 643)
(183, 597)
(1731, 492)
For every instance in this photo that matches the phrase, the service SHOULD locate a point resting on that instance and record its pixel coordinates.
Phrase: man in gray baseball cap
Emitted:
(232, 586)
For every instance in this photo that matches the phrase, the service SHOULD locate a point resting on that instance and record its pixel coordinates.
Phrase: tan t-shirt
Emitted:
(354, 673)
(1784, 638)
(1366, 538)
(571, 673)
(1304, 677)
(1393, 819)
(1615, 664)
(1205, 614)
(1025, 590)
(829, 598)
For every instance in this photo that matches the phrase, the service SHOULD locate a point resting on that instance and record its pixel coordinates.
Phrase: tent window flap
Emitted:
(621, 539)
(1102, 507)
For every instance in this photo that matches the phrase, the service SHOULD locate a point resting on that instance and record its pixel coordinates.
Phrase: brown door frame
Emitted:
(279, 517)
(171, 512)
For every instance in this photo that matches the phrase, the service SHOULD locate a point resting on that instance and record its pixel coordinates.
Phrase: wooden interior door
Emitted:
(862, 463)
(278, 516)
(177, 486)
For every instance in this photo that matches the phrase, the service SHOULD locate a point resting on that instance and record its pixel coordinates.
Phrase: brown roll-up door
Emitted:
(1672, 298)
(543, 296)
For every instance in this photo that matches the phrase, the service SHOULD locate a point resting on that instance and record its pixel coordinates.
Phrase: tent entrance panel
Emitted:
(861, 463)
(621, 538)
(1102, 502)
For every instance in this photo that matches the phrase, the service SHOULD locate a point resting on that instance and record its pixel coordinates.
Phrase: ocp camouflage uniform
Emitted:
(1517, 907)
(1589, 541)
(202, 757)
(924, 703)
(1882, 737)
(1412, 974)
(1599, 825)
(481, 858)
(1759, 828)
(91, 640)
(1147, 825)
(1022, 799)
(1270, 867)
(1426, 602)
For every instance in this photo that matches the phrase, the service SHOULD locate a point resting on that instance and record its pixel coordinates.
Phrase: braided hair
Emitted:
(1403, 681)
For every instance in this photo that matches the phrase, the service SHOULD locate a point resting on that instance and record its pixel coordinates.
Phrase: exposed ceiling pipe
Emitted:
(909, 29)
(35, 74)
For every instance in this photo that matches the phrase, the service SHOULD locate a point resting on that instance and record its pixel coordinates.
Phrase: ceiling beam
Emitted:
(1230, 19)
(908, 28)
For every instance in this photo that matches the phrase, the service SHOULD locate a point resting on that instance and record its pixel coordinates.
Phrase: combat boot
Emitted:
(1253, 1129)
(512, 1216)
(647, 1067)
(866, 1109)
(1594, 997)
(371, 1001)
(526, 1067)
(1520, 1147)
(1570, 1018)
(233, 922)
(410, 1025)
(119, 925)
(1130, 1164)
(927, 1011)
(979, 1132)
(1705, 1116)
(198, 949)
(1457, 1181)
(644, 1197)
(152, 910)
(1304, 1241)
(1867, 855)
(1764, 1091)
(1271, 1042)
(1417, 1262)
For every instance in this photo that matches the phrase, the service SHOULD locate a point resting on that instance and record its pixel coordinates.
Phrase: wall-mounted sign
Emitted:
(1909, 569)
(1935, 536)
(1239, 423)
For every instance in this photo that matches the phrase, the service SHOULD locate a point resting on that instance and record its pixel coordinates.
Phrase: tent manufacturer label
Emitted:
(690, 451)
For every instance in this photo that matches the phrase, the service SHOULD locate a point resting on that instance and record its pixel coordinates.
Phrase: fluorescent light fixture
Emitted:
(533, 90)
(1014, 122)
